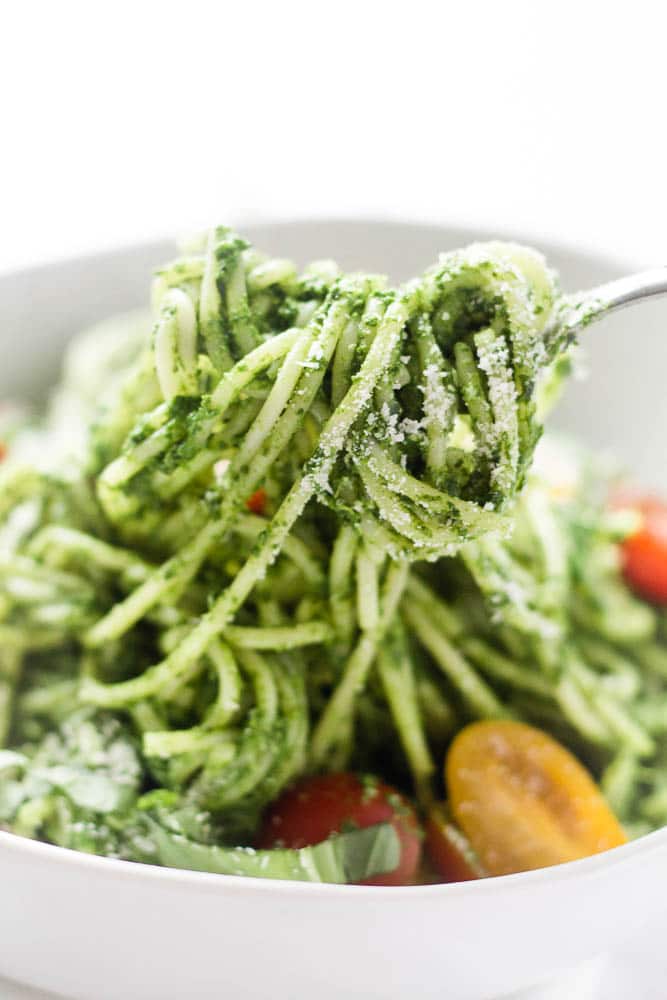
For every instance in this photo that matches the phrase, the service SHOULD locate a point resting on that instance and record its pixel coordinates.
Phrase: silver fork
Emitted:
(578, 311)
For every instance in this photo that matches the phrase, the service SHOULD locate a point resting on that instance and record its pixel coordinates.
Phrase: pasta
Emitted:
(298, 532)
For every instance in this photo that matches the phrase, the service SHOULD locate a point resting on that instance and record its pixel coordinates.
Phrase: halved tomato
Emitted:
(449, 849)
(523, 800)
(644, 554)
(317, 807)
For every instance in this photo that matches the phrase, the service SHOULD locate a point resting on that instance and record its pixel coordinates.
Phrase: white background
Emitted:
(127, 121)
(122, 121)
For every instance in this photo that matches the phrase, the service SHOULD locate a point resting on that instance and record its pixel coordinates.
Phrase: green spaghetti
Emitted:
(290, 526)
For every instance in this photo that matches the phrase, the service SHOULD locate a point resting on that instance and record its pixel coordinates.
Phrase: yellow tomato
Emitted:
(523, 800)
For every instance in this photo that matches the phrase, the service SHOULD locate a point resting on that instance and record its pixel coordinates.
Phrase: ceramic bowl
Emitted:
(98, 929)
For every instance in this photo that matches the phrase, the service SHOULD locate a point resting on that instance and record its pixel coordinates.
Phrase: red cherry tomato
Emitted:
(644, 554)
(257, 502)
(449, 850)
(316, 807)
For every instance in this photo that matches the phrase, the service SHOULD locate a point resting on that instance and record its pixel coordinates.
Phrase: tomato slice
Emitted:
(523, 800)
(449, 849)
(644, 554)
(315, 808)
(257, 502)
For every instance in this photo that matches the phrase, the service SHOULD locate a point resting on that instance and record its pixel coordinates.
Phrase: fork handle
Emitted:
(580, 310)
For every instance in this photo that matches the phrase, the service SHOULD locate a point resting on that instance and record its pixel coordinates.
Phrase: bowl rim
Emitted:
(584, 868)
(550, 246)
(581, 870)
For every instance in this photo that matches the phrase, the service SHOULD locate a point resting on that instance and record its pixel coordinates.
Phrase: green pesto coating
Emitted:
(300, 532)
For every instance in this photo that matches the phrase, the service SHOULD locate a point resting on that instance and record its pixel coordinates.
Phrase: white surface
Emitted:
(137, 119)
(108, 931)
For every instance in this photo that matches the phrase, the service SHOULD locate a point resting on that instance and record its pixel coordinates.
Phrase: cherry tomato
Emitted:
(449, 849)
(523, 800)
(313, 809)
(3, 451)
(644, 554)
(257, 502)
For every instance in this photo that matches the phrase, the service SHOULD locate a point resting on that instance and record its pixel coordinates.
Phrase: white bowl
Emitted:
(98, 929)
